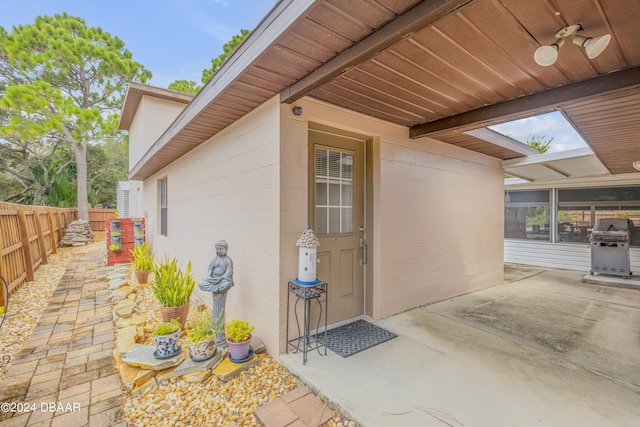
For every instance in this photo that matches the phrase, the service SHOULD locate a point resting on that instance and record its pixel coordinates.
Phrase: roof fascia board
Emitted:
(424, 14)
(281, 17)
(501, 140)
(531, 104)
(604, 180)
(548, 157)
(514, 181)
(518, 176)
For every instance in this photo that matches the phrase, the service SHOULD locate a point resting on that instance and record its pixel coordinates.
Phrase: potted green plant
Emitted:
(201, 335)
(239, 338)
(166, 337)
(173, 288)
(142, 262)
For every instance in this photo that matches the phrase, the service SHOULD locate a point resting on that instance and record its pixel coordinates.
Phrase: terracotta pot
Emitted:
(239, 350)
(204, 350)
(142, 276)
(180, 312)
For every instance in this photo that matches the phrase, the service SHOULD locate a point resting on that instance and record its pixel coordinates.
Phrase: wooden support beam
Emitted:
(52, 232)
(43, 247)
(61, 226)
(26, 247)
(422, 15)
(532, 104)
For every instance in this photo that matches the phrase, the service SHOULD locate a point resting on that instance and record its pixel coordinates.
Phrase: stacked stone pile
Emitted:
(78, 234)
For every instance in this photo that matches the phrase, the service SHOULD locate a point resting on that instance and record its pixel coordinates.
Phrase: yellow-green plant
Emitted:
(142, 257)
(172, 286)
(114, 248)
(167, 328)
(203, 327)
(238, 330)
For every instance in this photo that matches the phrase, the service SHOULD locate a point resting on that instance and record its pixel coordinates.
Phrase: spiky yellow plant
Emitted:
(142, 257)
(172, 286)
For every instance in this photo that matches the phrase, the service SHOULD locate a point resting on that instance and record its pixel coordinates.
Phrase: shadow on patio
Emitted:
(542, 349)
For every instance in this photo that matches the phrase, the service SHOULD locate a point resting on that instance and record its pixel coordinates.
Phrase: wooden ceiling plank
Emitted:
(229, 107)
(545, 100)
(411, 61)
(254, 80)
(453, 53)
(386, 97)
(276, 65)
(402, 91)
(339, 21)
(352, 103)
(242, 104)
(262, 92)
(368, 12)
(396, 6)
(438, 91)
(420, 16)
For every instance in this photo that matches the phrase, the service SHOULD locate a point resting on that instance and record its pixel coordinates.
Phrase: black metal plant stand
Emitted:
(306, 342)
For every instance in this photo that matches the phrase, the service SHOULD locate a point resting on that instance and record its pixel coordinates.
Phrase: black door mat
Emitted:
(354, 337)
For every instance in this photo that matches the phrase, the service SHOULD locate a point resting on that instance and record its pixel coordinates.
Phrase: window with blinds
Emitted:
(334, 191)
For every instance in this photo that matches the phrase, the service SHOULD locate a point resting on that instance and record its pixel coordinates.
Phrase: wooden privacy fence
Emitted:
(97, 218)
(28, 235)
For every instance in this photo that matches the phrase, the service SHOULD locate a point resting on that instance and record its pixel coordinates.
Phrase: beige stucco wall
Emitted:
(228, 188)
(437, 210)
(152, 118)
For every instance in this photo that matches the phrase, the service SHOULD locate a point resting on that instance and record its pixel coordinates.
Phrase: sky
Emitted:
(550, 125)
(174, 39)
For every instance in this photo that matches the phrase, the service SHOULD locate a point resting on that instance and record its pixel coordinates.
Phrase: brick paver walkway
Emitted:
(297, 408)
(65, 374)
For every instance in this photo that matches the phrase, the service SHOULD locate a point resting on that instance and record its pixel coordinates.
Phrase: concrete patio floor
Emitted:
(543, 349)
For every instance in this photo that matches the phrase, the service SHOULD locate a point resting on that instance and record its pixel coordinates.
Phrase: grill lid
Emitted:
(612, 230)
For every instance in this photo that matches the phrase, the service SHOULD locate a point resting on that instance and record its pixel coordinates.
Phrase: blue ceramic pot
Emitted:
(167, 345)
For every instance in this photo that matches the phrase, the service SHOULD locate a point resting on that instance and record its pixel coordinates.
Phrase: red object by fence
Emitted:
(123, 232)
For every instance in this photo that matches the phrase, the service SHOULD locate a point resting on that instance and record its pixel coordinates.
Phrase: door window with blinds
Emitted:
(334, 191)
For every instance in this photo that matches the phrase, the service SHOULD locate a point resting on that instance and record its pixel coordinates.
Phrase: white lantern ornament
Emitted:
(307, 257)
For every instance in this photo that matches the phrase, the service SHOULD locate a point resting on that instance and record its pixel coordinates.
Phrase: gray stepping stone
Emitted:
(141, 356)
(190, 367)
(116, 283)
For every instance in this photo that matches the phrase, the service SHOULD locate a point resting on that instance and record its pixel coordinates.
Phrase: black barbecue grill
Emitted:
(609, 243)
